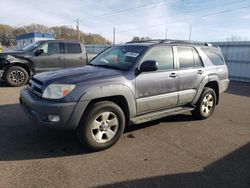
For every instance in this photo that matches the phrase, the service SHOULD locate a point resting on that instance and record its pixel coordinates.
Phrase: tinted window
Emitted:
(214, 56)
(186, 59)
(51, 48)
(118, 57)
(73, 48)
(197, 59)
(163, 55)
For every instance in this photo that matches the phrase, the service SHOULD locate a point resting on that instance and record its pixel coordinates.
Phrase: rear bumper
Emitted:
(224, 85)
(38, 110)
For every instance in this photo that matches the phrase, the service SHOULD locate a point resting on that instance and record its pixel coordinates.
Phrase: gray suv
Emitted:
(128, 84)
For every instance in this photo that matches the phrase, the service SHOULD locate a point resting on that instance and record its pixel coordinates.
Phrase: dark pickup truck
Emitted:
(17, 67)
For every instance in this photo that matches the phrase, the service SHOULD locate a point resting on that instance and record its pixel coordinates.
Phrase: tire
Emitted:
(101, 126)
(205, 105)
(16, 76)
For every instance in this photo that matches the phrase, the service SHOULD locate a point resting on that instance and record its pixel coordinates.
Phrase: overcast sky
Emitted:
(211, 20)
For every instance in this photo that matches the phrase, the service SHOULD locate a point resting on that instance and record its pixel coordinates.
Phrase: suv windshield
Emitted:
(32, 46)
(118, 57)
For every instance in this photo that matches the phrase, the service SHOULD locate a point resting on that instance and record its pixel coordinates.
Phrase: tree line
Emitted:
(8, 34)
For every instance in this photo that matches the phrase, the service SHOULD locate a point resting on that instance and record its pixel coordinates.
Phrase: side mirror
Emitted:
(148, 66)
(39, 52)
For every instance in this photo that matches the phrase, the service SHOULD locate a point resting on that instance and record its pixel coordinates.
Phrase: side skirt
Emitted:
(160, 114)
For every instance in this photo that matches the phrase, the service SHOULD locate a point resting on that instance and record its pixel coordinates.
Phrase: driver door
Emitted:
(157, 90)
(50, 59)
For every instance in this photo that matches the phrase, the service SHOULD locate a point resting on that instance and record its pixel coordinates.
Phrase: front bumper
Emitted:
(38, 110)
(1, 73)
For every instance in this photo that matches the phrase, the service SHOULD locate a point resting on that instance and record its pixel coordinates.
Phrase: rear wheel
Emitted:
(16, 76)
(205, 105)
(101, 126)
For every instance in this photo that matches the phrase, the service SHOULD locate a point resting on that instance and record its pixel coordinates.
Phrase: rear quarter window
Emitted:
(73, 48)
(214, 56)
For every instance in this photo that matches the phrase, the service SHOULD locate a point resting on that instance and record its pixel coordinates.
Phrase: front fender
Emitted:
(10, 60)
(109, 91)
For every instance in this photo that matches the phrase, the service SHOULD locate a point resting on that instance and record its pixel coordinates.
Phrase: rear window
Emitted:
(73, 48)
(214, 56)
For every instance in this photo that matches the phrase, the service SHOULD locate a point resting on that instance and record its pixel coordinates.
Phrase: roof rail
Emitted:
(170, 41)
(173, 41)
(144, 41)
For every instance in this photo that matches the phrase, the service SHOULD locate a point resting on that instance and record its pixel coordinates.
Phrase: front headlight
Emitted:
(57, 91)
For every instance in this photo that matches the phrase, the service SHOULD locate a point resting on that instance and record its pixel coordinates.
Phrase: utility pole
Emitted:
(114, 35)
(166, 33)
(78, 29)
(190, 32)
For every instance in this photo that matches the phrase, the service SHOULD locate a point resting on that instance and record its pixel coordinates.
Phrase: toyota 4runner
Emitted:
(128, 84)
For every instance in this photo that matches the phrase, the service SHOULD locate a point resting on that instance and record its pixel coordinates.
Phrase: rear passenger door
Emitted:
(75, 55)
(157, 89)
(191, 73)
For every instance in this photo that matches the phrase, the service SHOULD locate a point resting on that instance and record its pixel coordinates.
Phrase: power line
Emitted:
(202, 16)
(186, 12)
(183, 13)
(128, 10)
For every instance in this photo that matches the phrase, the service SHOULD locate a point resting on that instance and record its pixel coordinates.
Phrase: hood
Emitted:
(15, 54)
(76, 75)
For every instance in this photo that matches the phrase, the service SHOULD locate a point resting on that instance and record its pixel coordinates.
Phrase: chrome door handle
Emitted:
(200, 71)
(172, 75)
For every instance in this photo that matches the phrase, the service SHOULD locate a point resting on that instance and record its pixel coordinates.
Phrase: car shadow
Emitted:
(21, 139)
(239, 88)
(3, 83)
(232, 170)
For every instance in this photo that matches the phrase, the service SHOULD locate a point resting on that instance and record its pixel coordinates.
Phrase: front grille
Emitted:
(36, 86)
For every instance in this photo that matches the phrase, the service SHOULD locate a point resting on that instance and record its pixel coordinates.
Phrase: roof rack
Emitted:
(170, 41)
(173, 41)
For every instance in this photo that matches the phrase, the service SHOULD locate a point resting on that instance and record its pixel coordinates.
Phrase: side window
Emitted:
(51, 48)
(197, 59)
(214, 56)
(73, 48)
(45, 48)
(186, 58)
(163, 55)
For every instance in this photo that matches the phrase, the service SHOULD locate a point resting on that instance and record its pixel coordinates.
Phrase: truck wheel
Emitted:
(101, 126)
(205, 105)
(16, 76)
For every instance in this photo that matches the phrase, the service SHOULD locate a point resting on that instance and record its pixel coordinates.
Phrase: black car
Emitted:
(17, 67)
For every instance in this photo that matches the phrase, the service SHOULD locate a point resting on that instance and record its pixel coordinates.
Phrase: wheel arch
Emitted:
(18, 64)
(211, 81)
(117, 99)
(215, 86)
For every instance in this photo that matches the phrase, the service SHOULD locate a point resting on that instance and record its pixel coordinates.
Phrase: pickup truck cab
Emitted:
(128, 84)
(17, 67)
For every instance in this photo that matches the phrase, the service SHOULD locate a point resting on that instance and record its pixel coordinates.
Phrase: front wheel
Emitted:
(16, 76)
(101, 126)
(205, 105)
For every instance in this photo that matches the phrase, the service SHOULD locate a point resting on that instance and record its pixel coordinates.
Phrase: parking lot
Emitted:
(172, 152)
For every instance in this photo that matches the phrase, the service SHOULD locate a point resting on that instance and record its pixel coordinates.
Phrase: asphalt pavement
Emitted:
(176, 151)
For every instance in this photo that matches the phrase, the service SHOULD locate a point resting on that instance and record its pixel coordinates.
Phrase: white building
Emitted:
(25, 39)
